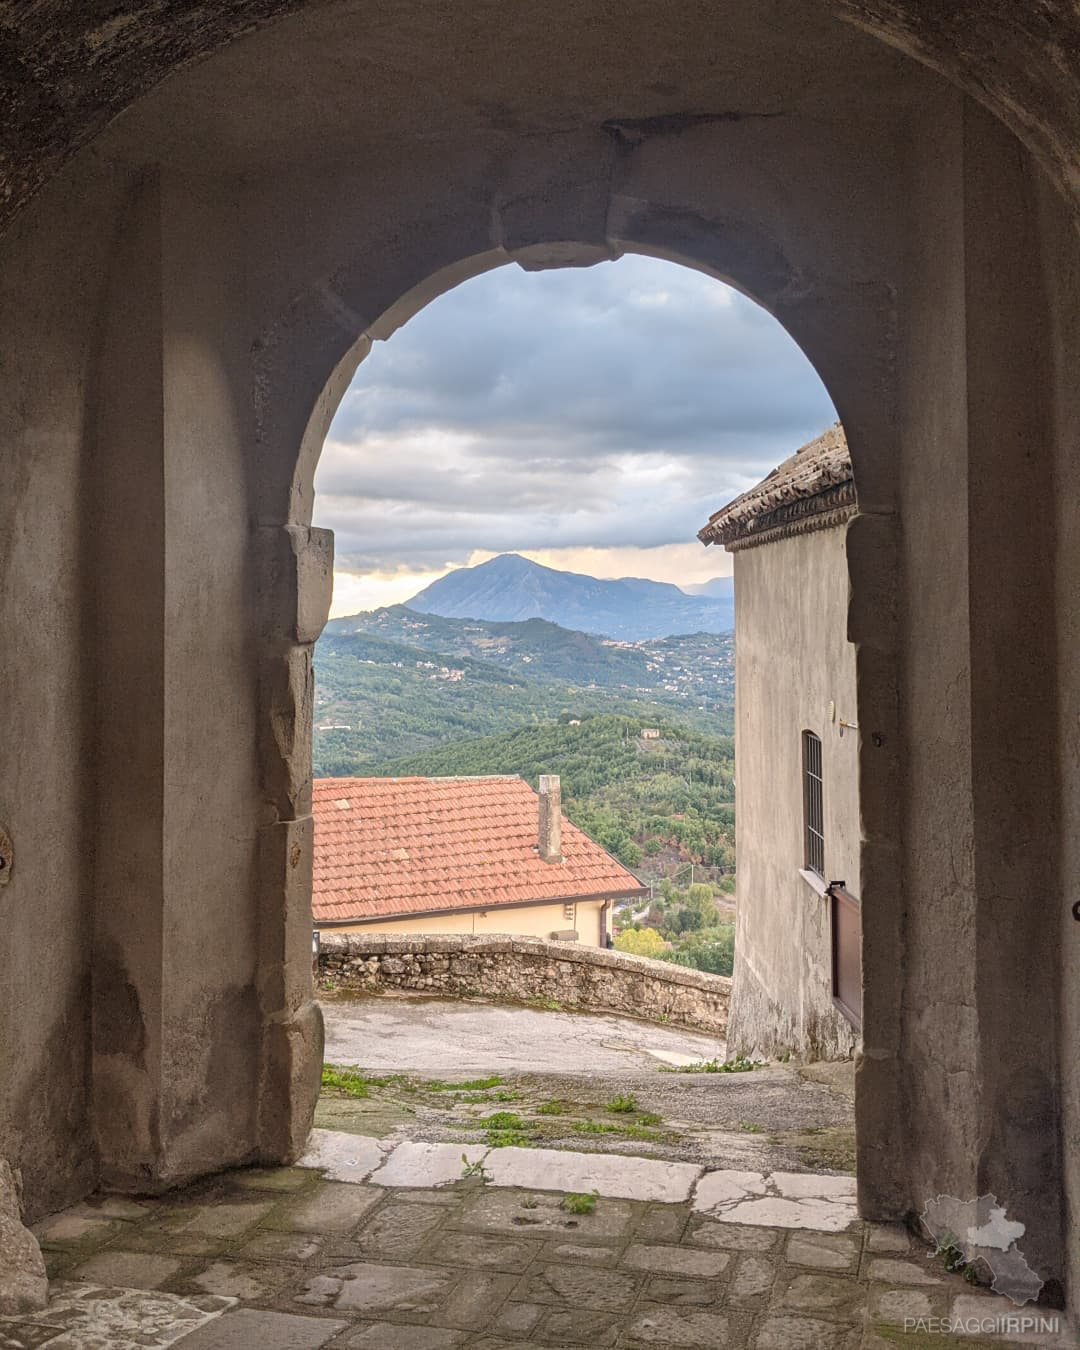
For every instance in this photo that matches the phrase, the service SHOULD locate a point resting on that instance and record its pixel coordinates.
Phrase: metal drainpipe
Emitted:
(604, 923)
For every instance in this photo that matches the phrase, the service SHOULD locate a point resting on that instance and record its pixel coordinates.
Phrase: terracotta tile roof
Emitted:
(812, 490)
(391, 846)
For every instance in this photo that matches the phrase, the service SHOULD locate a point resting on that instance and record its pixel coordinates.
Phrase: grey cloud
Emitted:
(512, 412)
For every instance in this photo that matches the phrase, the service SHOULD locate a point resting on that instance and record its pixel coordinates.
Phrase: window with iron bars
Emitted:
(813, 805)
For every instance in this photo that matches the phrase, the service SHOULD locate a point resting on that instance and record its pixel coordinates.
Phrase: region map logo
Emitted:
(980, 1230)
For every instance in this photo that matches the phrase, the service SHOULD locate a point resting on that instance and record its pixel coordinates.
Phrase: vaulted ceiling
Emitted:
(68, 69)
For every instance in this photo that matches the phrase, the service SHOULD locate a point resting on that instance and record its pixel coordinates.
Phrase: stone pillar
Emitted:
(295, 581)
(206, 1040)
(128, 1068)
(980, 895)
(1013, 663)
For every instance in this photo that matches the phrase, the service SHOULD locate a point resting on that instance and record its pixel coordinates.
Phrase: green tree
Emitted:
(709, 949)
(646, 942)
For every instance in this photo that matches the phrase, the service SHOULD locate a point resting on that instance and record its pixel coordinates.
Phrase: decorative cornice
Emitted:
(825, 511)
(812, 490)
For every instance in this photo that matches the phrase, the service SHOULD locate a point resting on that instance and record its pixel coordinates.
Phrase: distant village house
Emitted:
(797, 978)
(460, 855)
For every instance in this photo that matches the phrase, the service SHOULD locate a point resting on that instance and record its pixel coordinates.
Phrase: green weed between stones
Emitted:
(952, 1255)
(627, 1131)
(624, 1102)
(470, 1084)
(503, 1120)
(740, 1064)
(580, 1204)
(353, 1082)
(505, 1129)
(474, 1170)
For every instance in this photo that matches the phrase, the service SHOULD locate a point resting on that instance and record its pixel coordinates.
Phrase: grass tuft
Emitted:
(503, 1120)
(352, 1081)
(580, 1204)
(470, 1084)
(624, 1102)
(740, 1064)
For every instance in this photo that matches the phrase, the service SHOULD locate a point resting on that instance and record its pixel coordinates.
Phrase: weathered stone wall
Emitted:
(586, 978)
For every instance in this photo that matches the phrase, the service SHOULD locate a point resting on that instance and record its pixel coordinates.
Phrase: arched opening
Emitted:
(558, 416)
(589, 421)
(762, 1029)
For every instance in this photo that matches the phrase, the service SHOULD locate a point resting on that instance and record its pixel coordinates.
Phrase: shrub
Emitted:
(645, 942)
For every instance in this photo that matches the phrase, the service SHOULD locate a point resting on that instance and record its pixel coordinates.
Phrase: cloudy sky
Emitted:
(590, 419)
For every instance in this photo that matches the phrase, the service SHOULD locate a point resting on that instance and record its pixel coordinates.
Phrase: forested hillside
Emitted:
(400, 683)
(694, 669)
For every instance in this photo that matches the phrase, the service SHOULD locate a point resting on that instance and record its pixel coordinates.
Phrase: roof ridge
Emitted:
(814, 488)
(423, 778)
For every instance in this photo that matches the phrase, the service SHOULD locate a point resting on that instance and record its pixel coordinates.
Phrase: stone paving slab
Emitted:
(343, 1157)
(509, 1211)
(394, 1336)
(608, 1174)
(253, 1329)
(412, 1164)
(809, 1200)
(88, 1317)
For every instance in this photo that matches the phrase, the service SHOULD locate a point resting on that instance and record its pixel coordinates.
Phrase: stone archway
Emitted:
(182, 303)
(312, 341)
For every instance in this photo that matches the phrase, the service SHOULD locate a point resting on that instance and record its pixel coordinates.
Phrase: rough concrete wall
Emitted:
(979, 1030)
(50, 295)
(212, 1016)
(539, 921)
(528, 969)
(1061, 262)
(937, 816)
(793, 664)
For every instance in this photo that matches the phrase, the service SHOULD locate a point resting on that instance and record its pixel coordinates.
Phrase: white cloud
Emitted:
(595, 415)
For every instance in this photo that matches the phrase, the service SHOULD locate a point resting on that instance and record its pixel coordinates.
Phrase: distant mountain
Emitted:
(719, 588)
(510, 588)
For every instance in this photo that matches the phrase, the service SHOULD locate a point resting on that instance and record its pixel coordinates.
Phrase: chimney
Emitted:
(550, 818)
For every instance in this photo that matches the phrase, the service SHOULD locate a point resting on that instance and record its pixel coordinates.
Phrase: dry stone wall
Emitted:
(588, 979)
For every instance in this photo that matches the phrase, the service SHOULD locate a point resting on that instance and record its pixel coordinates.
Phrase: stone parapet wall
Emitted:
(588, 979)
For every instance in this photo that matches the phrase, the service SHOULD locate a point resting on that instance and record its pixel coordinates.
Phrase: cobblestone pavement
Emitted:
(287, 1259)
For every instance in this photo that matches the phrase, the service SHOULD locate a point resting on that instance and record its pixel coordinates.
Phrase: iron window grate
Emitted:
(813, 804)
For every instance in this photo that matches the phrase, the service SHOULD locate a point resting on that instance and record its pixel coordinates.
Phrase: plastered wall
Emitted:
(794, 672)
(541, 921)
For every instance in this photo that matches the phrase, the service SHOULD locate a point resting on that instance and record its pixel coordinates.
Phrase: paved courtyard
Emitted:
(553, 1075)
(459, 1037)
(501, 1255)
